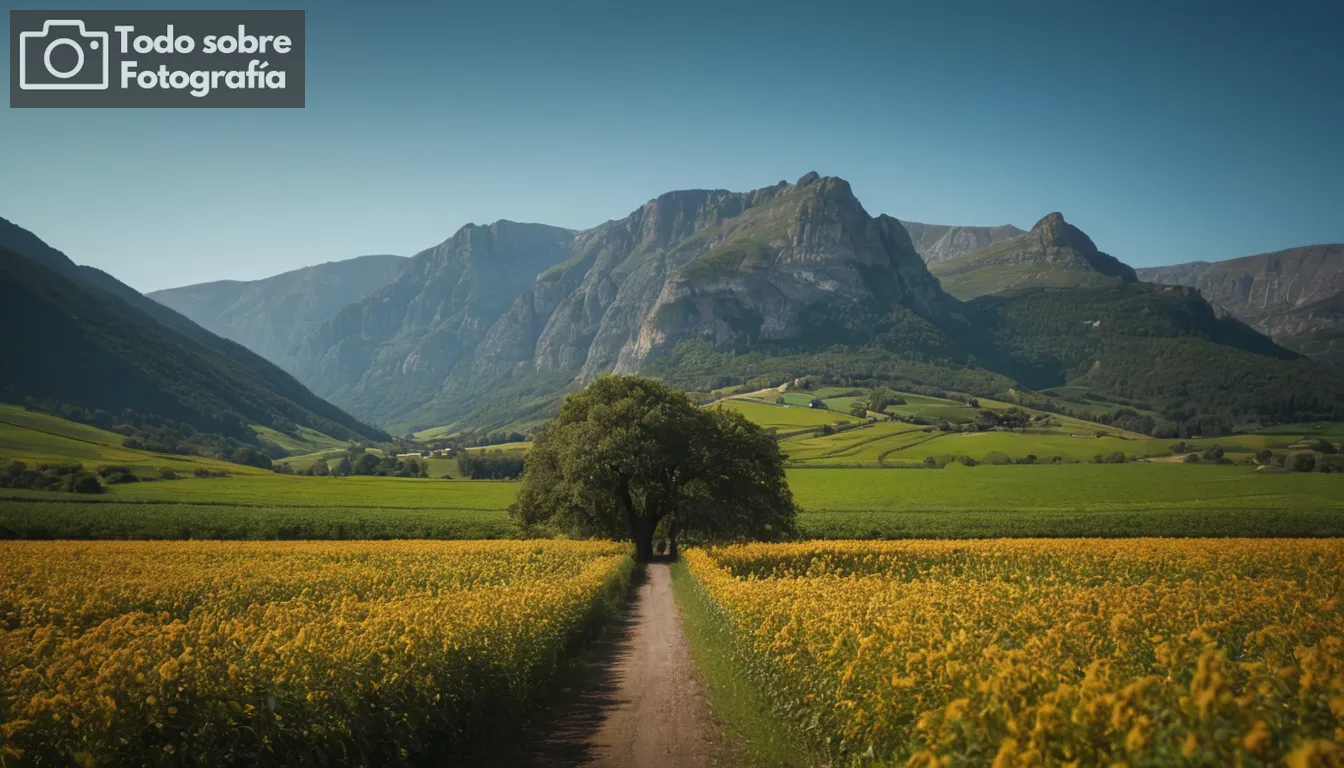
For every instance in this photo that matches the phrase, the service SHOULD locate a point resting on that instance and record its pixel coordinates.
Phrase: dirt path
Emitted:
(640, 704)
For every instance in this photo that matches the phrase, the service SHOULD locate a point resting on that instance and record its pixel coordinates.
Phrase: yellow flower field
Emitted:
(283, 652)
(1044, 652)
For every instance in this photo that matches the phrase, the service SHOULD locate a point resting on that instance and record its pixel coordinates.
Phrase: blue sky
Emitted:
(1168, 131)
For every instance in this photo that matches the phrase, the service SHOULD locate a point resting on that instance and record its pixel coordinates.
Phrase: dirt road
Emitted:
(640, 704)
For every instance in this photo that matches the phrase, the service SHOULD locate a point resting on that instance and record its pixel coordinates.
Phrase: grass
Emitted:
(741, 712)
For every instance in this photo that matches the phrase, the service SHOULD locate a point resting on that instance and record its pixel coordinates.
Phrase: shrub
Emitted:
(85, 482)
(998, 458)
(1264, 455)
(113, 475)
(1192, 458)
(967, 461)
(1302, 462)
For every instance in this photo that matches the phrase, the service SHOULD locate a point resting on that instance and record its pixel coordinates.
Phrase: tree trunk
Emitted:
(672, 540)
(643, 536)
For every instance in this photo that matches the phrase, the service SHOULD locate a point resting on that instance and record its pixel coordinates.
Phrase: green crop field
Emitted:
(1044, 445)
(270, 489)
(786, 418)
(1062, 500)
(860, 447)
(117, 520)
(1067, 500)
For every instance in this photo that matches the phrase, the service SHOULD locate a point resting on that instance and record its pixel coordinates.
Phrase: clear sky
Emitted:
(1168, 131)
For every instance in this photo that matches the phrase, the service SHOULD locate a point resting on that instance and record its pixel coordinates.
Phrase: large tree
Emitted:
(628, 454)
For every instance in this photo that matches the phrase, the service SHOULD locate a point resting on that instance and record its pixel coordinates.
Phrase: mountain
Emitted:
(82, 338)
(937, 242)
(271, 316)
(706, 288)
(1053, 254)
(517, 312)
(1294, 296)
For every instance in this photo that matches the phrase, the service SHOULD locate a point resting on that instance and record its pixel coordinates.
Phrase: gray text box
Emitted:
(129, 59)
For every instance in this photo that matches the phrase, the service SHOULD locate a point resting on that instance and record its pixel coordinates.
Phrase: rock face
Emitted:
(1296, 296)
(531, 307)
(1053, 254)
(937, 243)
(273, 315)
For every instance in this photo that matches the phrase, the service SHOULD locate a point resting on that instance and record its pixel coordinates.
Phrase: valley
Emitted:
(448, 455)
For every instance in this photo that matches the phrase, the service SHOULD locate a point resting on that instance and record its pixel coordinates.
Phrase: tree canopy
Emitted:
(628, 454)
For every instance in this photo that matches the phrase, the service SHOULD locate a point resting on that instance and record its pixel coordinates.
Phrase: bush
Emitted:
(929, 461)
(967, 461)
(1192, 458)
(1213, 454)
(1302, 462)
(167, 473)
(1264, 455)
(997, 458)
(1326, 447)
(113, 475)
(85, 482)
(491, 465)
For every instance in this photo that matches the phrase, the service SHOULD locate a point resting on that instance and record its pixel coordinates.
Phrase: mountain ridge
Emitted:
(709, 287)
(1295, 295)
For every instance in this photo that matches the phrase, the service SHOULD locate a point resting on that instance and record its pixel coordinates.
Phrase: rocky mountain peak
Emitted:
(808, 178)
(1052, 231)
(1049, 221)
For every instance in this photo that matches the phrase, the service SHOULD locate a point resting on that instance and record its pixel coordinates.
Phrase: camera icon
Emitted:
(45, 59)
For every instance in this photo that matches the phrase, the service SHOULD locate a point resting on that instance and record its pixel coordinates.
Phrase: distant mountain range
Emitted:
(1295, 296)
(704, 287)
(77, 336)
(272, 316)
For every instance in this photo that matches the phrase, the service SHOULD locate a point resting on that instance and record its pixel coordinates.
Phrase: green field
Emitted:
(1157, 498)
(786, 418)
(36, 438)
(115, 520)
(1068, 500)
(956, 502)
(866, 446)
(308, 440)
(270, 489)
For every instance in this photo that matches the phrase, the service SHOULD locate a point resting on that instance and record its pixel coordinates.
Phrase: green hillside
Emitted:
(102, 354)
